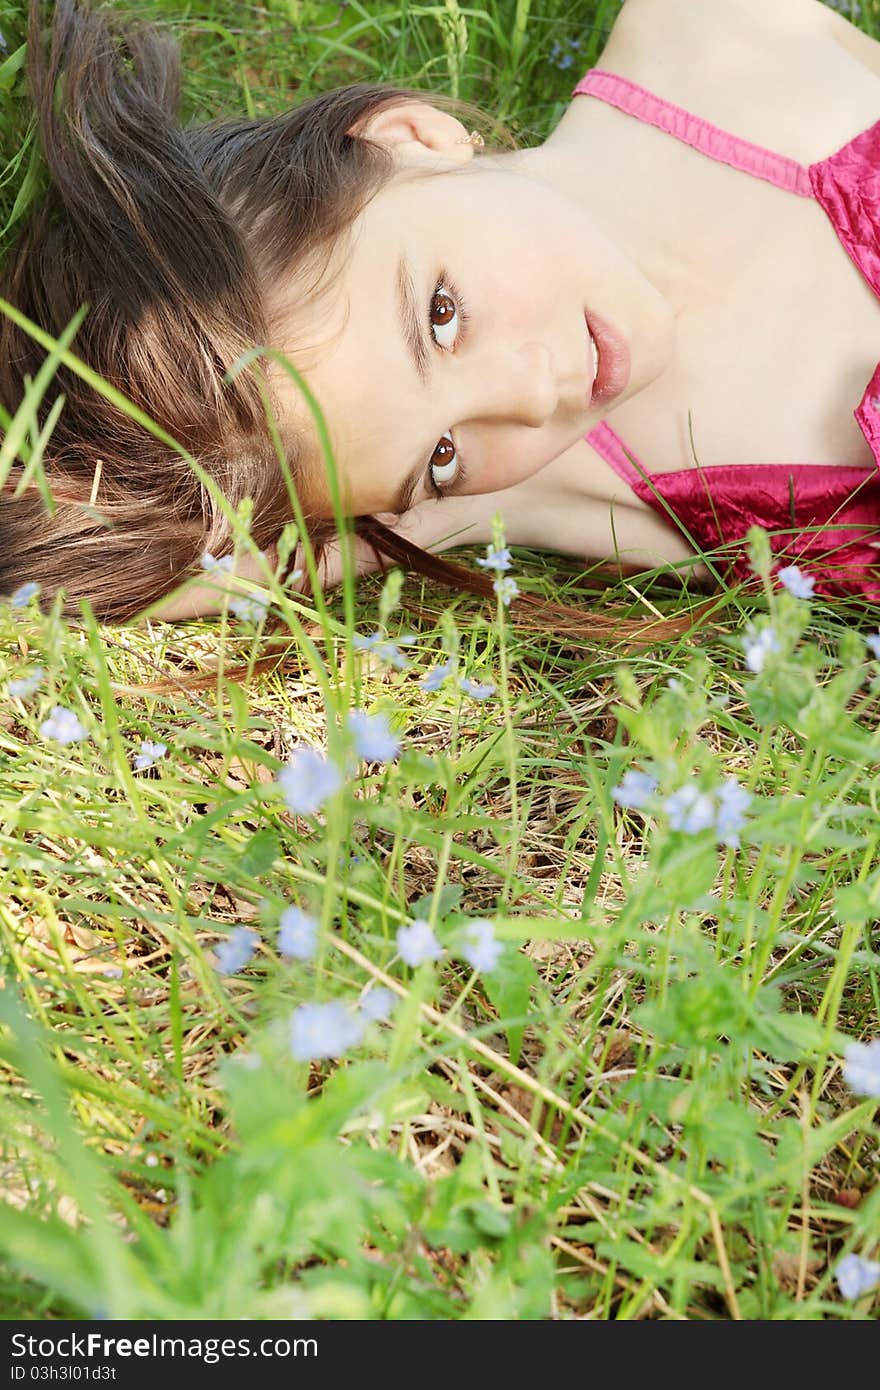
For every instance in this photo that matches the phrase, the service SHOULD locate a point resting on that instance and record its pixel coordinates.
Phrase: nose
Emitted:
(515, 384)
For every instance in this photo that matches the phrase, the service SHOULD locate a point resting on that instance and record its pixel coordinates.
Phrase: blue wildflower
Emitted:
(26, 685)
(861, 1068)
(378, 1003)
(856, 1276)
(634, 789)
(382, 648)
(796, 582)
(323, 1030)
(366, 644)
(250, 608)
(297, 934)
(394, 657)
(689, 809)
(693, 811)
(480, 947)
(874, 643)
(758, 645)
(236, 950)
(63, 726)
(497, 558)
(417, 943)
(150, 753)
(560, 58)
(733, 800)
(307, 780)
(373, 739)
(24, 593)
(506, 589)
(475, 689)
(435, 678)
(209, 563)
(249, 1061)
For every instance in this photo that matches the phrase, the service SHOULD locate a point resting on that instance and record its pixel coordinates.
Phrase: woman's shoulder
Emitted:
(792, 76)
(642, 21)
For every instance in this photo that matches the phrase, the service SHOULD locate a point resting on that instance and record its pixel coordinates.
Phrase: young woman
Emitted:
(634, 341)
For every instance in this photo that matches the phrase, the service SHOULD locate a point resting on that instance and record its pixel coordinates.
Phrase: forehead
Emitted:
(317, 299)
(347, 341)
(347, 348)
(310, 309)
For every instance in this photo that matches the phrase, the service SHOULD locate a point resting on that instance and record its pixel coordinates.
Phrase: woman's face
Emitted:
(455, 356)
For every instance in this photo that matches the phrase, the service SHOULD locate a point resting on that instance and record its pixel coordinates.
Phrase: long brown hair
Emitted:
(174, 236)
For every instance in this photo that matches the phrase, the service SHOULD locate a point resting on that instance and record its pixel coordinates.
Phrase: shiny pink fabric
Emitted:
(827, 520)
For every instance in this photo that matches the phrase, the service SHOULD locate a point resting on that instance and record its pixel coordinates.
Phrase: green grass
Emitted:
(640, 1112)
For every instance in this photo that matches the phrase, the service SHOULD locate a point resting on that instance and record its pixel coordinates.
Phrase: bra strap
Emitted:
(610, 447)
(718, 144)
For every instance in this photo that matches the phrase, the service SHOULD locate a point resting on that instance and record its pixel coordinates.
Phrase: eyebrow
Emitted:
(407, 490)
(413, 334)
(411, 322)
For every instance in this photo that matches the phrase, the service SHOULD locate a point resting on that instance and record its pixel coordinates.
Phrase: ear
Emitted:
(417, 133)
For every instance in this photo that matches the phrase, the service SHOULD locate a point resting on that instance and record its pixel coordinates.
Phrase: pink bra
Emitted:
(825, 519)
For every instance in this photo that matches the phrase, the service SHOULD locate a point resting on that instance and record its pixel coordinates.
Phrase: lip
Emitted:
(614, 361)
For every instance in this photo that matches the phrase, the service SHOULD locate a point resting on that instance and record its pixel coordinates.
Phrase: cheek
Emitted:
(506, 465)
(519, 291)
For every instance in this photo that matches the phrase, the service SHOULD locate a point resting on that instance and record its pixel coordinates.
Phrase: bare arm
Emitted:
(572, 506)
(433, 525)
(639, 20)
(555, 509)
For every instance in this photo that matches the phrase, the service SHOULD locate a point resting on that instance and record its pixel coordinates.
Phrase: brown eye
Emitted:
(444, 314)
(443, 307)
(443, 464)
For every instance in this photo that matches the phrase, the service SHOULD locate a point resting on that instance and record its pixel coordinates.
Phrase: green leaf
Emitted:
(642, 1261)
(508, 987)
(760, 557)
(490, 1220)
(239, 702)
(785, 1036)
(686, 869)
(448, 899)
(389, 599)
(448, 1221)
(11, 66)
(853, 903)
(47, 1249)
(263, 849)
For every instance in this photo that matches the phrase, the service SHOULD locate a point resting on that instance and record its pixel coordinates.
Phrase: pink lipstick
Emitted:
(614, 361)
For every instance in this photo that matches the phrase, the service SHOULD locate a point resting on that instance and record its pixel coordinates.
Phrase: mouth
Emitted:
(611, 361)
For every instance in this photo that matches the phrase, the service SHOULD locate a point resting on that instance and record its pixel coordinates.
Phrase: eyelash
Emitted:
(447, 285)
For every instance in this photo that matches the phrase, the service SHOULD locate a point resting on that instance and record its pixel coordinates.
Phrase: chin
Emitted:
(650, 368)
